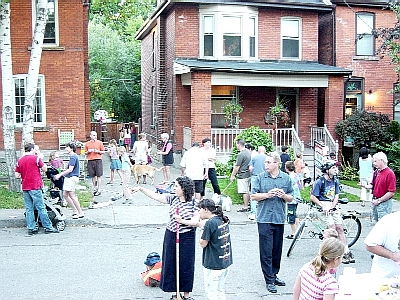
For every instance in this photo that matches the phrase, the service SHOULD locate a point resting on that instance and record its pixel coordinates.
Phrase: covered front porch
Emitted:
(311, 94)
(223, 140)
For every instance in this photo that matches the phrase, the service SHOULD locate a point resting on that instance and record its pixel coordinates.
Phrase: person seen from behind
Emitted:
(284, 157)
(365, 174)
(314, 280)
(28, 170)
(217, 251)
(241, 170)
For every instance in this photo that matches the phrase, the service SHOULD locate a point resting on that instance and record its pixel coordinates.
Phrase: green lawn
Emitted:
(231, 191)
(14, 200)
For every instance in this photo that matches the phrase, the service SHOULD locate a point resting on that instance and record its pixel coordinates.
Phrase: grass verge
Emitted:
(14, 200)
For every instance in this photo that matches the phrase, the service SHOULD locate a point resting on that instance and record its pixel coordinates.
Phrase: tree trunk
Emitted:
(33, 72)
(8, 96)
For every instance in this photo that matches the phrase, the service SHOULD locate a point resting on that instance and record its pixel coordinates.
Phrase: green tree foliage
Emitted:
(365, 127)
(256, 137)
(114, 56)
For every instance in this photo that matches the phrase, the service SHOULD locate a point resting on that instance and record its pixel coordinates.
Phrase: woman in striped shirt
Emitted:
(314, 281)
(187, 206)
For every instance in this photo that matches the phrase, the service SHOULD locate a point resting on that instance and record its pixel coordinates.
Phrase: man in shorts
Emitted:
(325, 193)
(195, 166)
(94, 150)
(71, 180)
(241, 169)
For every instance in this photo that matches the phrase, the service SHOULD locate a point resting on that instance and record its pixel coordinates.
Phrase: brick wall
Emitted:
(378, 73)
(67, 92)
(200, 105)
(269, 24)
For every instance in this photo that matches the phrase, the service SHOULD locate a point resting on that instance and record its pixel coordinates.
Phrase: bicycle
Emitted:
(351, 225)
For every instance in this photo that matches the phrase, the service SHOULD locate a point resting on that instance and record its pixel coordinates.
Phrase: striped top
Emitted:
(312, 288)
(186, 211)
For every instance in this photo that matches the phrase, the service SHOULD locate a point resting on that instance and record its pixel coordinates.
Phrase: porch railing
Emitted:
(322, 134)
(223, 139)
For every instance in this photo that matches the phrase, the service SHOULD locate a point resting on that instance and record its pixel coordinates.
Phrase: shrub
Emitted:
(256, 137)
(365, 128)
(348, 172)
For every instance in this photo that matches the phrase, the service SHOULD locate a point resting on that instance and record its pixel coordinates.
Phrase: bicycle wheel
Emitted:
(296, 238)
(352, 229)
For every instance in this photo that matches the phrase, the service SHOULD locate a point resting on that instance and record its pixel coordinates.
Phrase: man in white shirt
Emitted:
(195, 166)
(384, 242)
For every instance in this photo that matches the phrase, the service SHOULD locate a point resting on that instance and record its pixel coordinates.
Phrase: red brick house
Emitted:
(199, 55)
(354, 48)
(63, 97)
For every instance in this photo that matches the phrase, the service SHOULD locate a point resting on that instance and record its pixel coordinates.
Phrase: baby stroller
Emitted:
(55, 191)
(54, 212)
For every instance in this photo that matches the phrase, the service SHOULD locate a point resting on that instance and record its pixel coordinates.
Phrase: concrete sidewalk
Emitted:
(145, 211)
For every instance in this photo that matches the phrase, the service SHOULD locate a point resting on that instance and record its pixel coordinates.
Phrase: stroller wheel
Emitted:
(60, 225)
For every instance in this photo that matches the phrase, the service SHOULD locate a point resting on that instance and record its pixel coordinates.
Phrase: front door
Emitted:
(288, 97)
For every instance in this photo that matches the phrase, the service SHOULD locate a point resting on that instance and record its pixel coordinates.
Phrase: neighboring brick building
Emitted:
(63, 94)
(199, 55)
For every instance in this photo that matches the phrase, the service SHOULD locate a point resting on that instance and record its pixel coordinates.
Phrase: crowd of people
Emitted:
(270, 185)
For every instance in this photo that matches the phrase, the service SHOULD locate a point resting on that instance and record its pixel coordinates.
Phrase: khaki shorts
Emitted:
(70, 183)
(334, 218)
(243, 185)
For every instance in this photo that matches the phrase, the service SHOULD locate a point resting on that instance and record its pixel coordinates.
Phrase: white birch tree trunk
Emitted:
(8, 96)
(33, 72)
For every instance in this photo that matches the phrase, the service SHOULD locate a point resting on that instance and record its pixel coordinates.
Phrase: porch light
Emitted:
(370, 96)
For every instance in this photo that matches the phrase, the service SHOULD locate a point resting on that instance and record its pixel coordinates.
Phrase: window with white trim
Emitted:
(228, 32)
(20, 82)
(291, 38)
(51, 30)
(365, 45)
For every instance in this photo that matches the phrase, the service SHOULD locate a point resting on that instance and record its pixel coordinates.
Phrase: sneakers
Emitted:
(50, 230)
(348, 258)
(290, 236)
(75, 216)
(272, 288)
(32, 231)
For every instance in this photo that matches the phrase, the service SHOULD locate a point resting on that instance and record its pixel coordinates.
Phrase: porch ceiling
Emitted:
(260, 73)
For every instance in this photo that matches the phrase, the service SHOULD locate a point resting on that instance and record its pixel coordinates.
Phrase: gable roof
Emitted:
(183, 66)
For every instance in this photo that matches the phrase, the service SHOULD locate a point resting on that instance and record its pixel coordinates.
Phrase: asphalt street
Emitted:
(101, 256)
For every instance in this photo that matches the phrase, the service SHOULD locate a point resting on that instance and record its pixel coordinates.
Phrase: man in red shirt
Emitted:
(28, 169)
(94, 150)
(384, 187)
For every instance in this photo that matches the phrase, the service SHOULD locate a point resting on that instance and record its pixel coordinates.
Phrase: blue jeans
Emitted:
(34, 199)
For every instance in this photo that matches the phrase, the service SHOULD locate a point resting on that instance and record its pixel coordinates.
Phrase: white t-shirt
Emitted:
(385, 233)
(210, 153)
(194, 163)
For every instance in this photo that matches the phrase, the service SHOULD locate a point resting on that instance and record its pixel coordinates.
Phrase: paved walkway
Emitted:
(144, 211)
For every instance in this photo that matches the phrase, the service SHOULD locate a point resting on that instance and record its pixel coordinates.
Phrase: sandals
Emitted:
(243, 209)
(96, 193)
